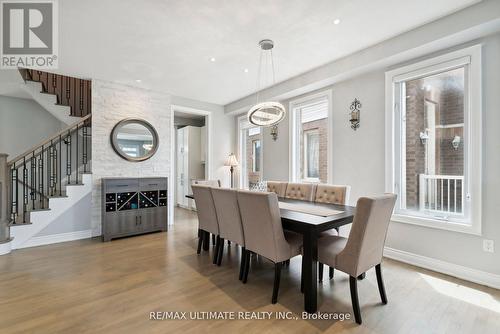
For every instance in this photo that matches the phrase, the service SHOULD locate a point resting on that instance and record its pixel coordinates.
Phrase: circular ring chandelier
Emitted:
(266, 113)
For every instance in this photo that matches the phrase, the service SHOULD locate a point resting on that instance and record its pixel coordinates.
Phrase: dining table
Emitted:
(310, 219)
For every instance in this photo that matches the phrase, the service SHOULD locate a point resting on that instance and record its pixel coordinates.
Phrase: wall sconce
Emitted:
(355, 114)
(274, 132)
(423, 137)
(456, 142)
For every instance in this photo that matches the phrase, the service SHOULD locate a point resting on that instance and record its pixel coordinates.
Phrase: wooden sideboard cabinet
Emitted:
(133, 206)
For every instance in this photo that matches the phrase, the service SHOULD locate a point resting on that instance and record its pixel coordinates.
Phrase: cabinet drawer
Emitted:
(120, 185)
(152, 184)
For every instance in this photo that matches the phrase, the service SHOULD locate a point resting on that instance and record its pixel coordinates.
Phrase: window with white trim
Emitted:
(250, 153)
(434, 160)
(309, 138)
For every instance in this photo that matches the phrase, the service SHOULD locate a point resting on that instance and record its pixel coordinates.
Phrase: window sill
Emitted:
(474, 229)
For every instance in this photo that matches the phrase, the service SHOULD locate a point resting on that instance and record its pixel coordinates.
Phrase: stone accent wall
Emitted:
(322, 126)
(112, 102)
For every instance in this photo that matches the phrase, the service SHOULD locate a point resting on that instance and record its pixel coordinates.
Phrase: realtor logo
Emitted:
(29, 34)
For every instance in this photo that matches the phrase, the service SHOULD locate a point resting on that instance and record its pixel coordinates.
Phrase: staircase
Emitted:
(45, 181)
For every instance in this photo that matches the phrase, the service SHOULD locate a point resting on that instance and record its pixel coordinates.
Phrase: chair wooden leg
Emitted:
(247, 266)
(200, 242)
(320, 272)
(220, 251)
(242, 263)
(362, 276)
(353, 283)
(380, 281)
(213, 240)
(330, 272)
(277, 276)
(229, 243)
(216, 251)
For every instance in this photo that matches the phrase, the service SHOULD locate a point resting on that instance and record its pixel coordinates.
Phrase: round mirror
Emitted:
(134, 139)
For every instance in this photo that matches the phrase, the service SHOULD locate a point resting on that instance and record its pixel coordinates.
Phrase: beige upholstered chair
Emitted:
(330, 194)
(207, 216)
(364, 247)
(278, 188)
(228, 216)
(211, 183)
(300, 191)
(264, 235)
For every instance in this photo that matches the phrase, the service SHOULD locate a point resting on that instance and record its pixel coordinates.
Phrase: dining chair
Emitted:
(277, 187)
(299, 191)
(330, 194)
(207, 216)
(230, 227)
(211, 183)
(264, 234)
(364, 247)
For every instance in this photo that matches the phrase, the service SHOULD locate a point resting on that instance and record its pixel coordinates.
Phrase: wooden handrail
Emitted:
(52, 138)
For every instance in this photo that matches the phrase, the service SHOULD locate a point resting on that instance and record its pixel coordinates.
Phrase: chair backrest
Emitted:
(207, 216)
(276, 187)
(332, 194)
(366, 241)
(300, 191)
(228, 214)
(211, 183)
(260, 215)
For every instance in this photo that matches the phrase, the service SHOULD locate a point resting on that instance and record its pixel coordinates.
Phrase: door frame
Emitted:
(208, 161)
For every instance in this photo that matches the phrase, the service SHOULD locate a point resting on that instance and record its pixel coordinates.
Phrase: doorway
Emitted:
(190, 154)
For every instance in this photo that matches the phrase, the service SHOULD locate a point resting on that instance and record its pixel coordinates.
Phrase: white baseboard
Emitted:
(5, 247)
(57, 238)
(468, 274)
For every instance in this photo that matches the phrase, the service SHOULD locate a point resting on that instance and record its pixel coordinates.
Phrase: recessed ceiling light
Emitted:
(212, 59)
(336, 21)
(245, 70)
(138, 80)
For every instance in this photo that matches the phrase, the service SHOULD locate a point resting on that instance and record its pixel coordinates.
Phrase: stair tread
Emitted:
(38, 210)
(12, 224)
(42, 92)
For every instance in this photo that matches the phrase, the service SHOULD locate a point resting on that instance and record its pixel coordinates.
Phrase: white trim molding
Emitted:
(56, 238)
(455, 270)
(6, 247)
(470, 59)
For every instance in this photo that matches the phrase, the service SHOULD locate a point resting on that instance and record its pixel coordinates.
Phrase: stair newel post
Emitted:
(4, 199)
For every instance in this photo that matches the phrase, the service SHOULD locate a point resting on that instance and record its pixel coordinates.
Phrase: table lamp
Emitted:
(231, 162)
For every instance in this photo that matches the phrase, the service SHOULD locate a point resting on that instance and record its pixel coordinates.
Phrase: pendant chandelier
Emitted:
(267, 113)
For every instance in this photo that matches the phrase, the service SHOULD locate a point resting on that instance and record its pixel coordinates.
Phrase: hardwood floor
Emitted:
(93, 287)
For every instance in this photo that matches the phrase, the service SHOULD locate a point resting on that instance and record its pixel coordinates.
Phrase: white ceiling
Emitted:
(168, 44)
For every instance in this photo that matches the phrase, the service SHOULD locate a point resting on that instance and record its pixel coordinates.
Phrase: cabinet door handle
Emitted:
(135, 220)
(140, 220)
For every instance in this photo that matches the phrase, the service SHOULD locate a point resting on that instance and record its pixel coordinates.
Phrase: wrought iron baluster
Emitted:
(40, 178)
(68, 157)
(25, 190)
(53, 163)
(33, 180)
(60, 166)
(81, 97)
(14, 193)
(85, 148)
(76, 157)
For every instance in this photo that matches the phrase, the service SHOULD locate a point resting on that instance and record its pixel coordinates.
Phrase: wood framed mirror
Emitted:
(134, 139)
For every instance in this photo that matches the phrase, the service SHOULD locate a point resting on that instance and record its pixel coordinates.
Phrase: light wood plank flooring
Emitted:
(93, 287)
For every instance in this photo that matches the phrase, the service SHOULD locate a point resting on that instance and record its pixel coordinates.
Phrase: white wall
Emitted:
(358, 160)
(23, 124)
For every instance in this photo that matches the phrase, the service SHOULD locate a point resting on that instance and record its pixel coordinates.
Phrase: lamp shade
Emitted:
(231, 161)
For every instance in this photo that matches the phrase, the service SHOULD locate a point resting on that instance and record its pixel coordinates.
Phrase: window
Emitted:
(250, 153)
(434, 161)
(311, 154)
(310, 137)
(256, 156)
